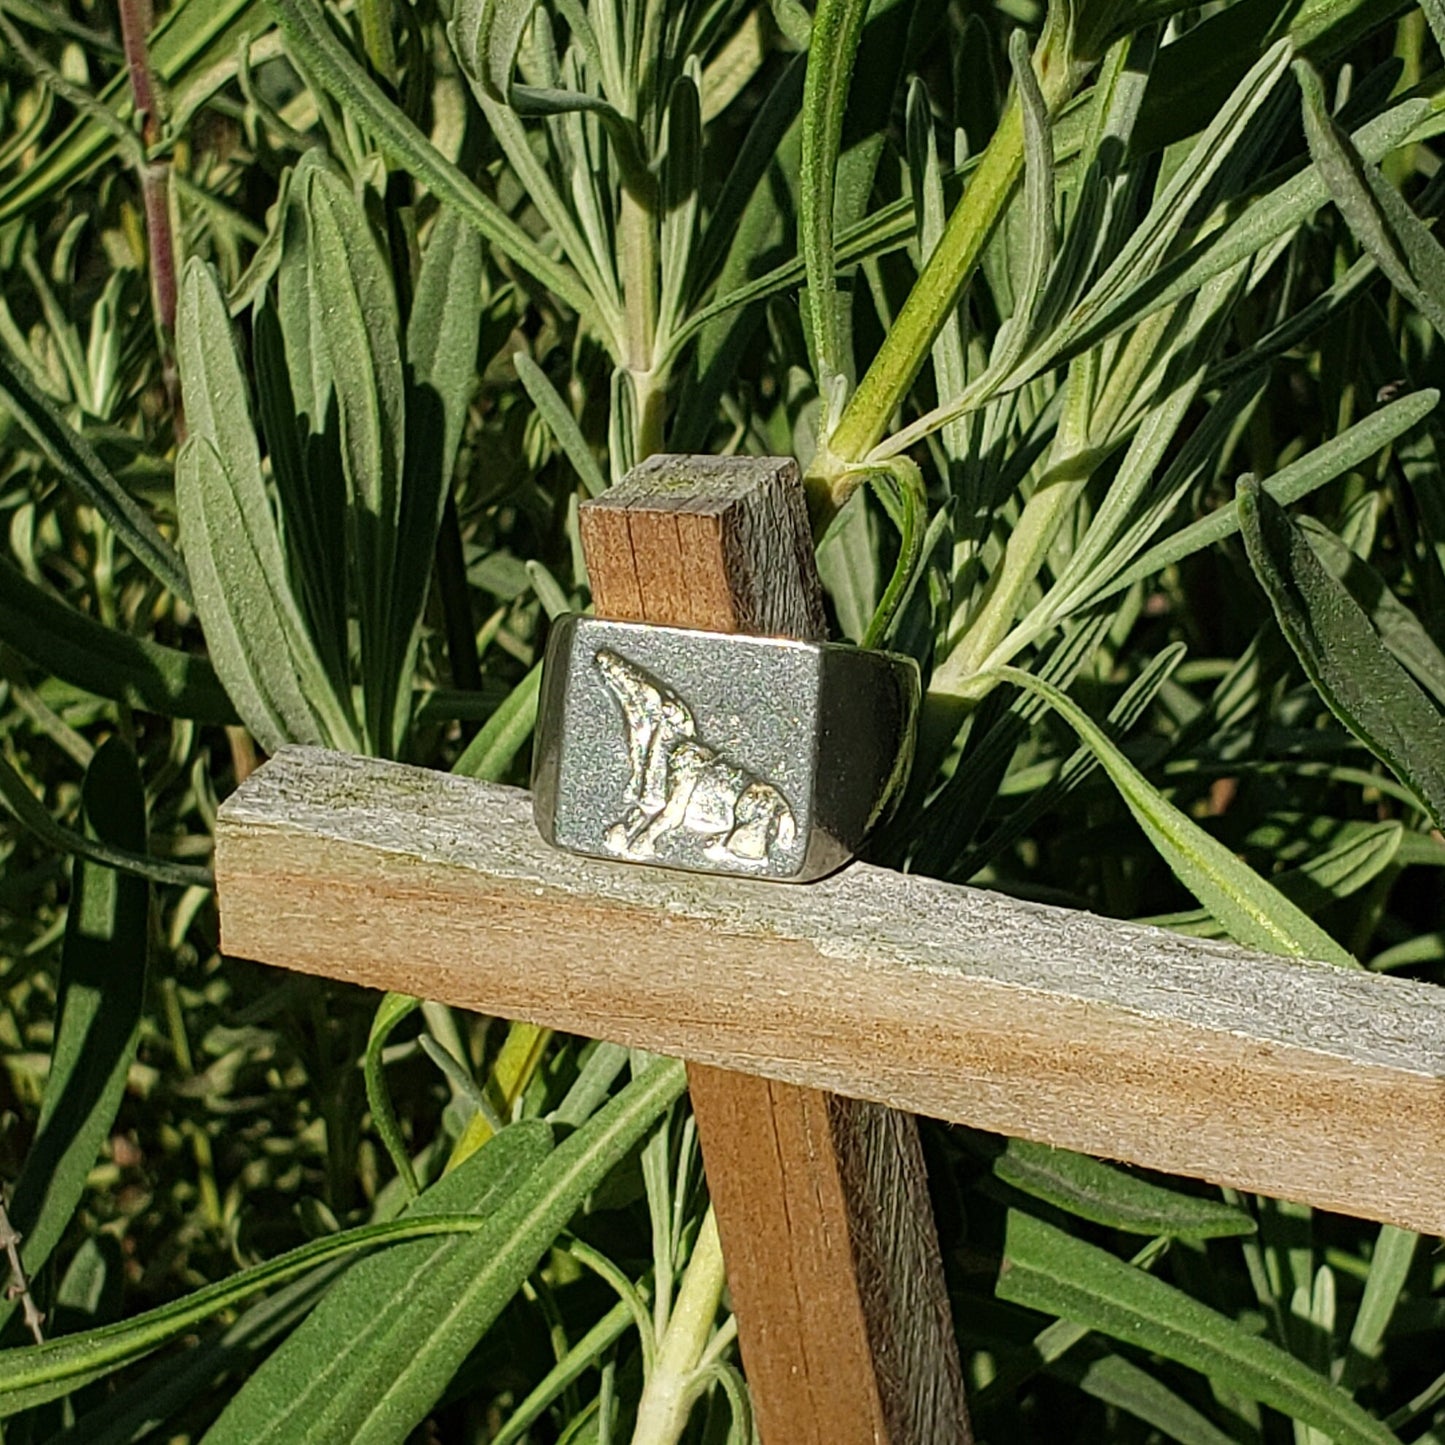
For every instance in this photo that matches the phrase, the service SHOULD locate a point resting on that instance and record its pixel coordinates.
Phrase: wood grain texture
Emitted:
(717, 543)
(1294, 1079)
(822, 1202)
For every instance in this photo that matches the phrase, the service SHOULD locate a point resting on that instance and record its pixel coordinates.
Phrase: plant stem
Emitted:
(135, 23)
(19, 1286)
(672, 1387)
(637, 226)
(934, 295)
(939, 286)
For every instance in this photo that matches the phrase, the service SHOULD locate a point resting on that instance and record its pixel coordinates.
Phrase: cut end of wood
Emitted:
(721, 544)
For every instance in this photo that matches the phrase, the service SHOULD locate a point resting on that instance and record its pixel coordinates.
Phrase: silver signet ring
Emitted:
(718, 752)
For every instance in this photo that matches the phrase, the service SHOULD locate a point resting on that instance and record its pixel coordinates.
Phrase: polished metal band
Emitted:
(717, 752)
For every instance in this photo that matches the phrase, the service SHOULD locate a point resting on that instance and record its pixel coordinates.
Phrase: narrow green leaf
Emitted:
(1343, 656)
(1250, 910)
(392, 1009)
(1048, 1270)
(384, 1301)
(1352, 863)
(678, 193)
(312, 39)
(1109, 1196)
(1402, 245)
(832, 51)
(583, 1356)
(1123, 1384)
(101, 995)
(78, 466)
(560, 422)
(258, 641)
(36, 1373)
(76, 648)
(505, 733)
(1327, 461)
(407, 1352)
(175, 1383)
(1384, 1285)
(30, 811)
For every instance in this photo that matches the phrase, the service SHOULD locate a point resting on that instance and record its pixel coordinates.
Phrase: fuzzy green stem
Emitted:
(939, 286)
(672, 1387)
(934, 295)
(1028, 545)
(638, 247)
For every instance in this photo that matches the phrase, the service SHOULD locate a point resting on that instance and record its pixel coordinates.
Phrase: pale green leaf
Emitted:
(1111, 1197)
(1401, 244)
(1301, 477)
(1250, 910)
(310, 35)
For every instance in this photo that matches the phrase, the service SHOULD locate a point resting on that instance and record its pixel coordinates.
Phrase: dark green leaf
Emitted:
(337, 308)
(37, 1373)
(1400, 630)
(1400, 242)
(407, 1344)
(385, 1302)
(30, 811)
(1048, 1270)
(1353, 671)
(837, 30)
(102, 992)
(104, 660)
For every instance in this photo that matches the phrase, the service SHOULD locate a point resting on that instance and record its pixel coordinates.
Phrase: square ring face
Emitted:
(685, 749)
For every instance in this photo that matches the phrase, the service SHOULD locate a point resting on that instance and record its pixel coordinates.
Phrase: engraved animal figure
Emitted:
(678, 782)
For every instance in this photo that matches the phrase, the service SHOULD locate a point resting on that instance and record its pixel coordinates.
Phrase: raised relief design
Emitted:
(678, 782)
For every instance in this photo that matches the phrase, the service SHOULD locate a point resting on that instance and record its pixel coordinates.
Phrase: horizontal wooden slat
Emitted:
(1293, 1079)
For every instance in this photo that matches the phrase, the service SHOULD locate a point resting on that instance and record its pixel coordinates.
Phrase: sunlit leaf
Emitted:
(1364, 686)
(1046, 1269)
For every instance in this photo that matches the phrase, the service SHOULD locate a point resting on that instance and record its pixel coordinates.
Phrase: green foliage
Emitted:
(1047, 278)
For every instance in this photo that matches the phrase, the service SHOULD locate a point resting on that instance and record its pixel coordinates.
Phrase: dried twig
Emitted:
(19, 1286)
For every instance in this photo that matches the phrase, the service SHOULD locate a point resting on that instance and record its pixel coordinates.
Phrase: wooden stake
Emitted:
(822, 1202)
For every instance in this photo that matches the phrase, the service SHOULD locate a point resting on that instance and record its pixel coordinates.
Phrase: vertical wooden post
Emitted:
(822, 1202)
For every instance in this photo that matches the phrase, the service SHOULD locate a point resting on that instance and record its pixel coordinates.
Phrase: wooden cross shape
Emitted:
(820, 1018)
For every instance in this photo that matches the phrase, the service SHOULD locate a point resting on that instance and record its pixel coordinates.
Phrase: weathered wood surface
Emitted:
(822, 1202)
(1294, 1079)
